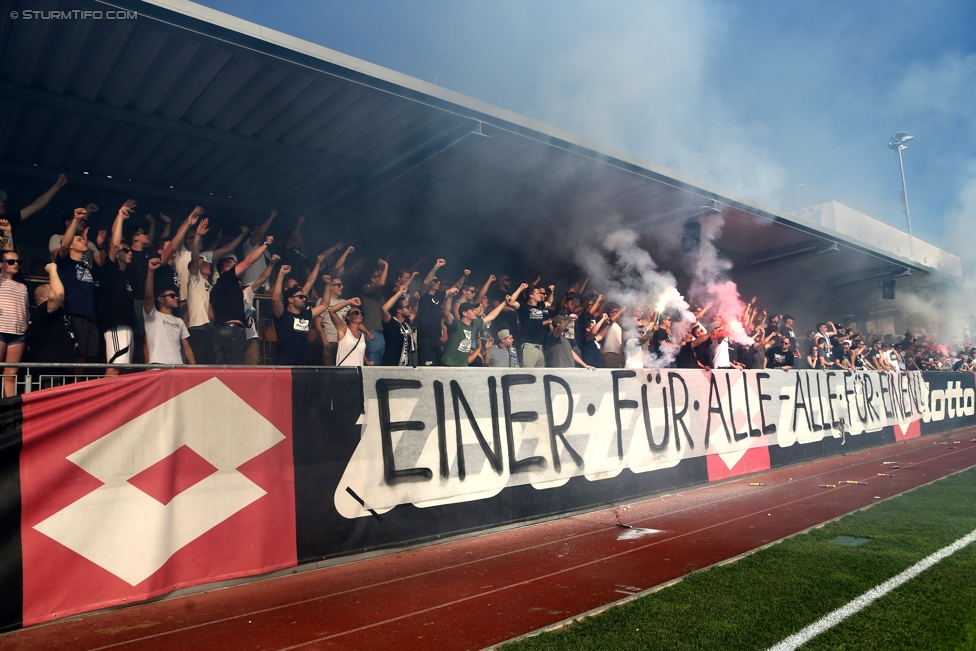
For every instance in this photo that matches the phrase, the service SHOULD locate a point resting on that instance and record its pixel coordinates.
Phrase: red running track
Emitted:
(481, 591)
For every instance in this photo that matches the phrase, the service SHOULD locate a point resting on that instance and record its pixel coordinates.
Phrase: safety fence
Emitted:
(119, 489)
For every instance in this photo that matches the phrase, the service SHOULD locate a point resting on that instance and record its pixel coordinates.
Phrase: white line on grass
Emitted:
(832, 619)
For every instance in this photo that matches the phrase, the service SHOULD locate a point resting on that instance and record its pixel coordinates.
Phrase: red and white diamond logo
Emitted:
(183, 480)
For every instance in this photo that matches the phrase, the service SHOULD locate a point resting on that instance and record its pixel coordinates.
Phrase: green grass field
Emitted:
(763, 598)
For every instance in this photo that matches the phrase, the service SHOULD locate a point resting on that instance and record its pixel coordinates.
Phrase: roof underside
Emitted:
(178, 110)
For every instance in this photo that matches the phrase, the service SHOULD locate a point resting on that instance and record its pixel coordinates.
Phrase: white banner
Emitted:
(442, 435)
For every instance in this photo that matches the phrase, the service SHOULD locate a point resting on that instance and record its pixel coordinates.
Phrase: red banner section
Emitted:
(138, 485)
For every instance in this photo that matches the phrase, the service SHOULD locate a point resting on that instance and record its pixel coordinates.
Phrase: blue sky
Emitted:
(754, 97)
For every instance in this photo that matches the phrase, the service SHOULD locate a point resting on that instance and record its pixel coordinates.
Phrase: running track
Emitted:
(481, 591)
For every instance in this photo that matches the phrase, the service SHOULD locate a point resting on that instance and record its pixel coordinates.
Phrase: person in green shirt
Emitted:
(462, 331)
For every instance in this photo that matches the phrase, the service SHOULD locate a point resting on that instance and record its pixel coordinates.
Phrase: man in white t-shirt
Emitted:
(166, 334)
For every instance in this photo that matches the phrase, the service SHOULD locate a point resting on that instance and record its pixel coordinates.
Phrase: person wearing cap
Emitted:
(560, 350)
(397, 316)
(227, 307)
(292, 319)
(166, 334)
(461, 332)
(15, 217)
(502, 354)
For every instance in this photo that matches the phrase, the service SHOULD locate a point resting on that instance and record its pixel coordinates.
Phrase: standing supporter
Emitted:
(780, 356)
(138, 240)
(256, 242)
(198, 287)
(116, 295)
(372, 300)
(461, 332)
(167, 275)
(251, 334)
(293, 255)
(326, 328)
(502, 353)
(166, 334)
(14, 312)
(686, 354)
(17, 216)
(561, 352)
(590, 335)
(350, 333)
(400, 349)
(430, 316)
(48, 339)
(183, 257)
(661, 336)
(508, 319)
(79, 285)
(227, 305)
(55, 242)
(292, 319)
(534, 316)
(787, 331)
(613, 339)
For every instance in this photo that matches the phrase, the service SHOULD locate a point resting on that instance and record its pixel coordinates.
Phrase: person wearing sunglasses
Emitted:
(166, 333)
(291, 320)
(14, 311)
(332, 295)
(351, 333)
(115, 294)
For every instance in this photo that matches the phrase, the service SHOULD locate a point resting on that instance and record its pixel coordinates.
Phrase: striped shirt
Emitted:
(13, 307)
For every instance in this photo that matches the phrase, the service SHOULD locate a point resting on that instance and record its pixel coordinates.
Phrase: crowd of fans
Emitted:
(122, 296)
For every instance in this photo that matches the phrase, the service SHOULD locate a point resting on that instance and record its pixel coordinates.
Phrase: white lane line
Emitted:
(832, 619)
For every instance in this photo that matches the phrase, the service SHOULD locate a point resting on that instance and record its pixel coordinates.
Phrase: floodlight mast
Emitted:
(898, 144)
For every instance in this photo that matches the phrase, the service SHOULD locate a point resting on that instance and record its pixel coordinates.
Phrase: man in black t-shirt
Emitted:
(292, 320)
(534, 317)
(787, 331)
(780, 356)
(430, 315)
(227, 304)
(48, 337)
(397, 331)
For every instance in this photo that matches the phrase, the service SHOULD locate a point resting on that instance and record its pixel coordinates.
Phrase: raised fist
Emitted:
(441, 262)
(355, 301)
(285, 268)
(301, 220)
(165, 217)
(268, 241)
(155, 264)
(274, 213)
(275, 258)
(491, 278)
(245, 230)
(62, 180)
(467, 272)
(350, 249)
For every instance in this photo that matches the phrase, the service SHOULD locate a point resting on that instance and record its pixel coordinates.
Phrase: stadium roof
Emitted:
(185, 104)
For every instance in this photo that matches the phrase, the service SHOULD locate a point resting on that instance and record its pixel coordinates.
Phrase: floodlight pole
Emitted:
(898, 143)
